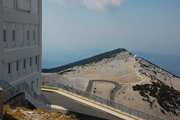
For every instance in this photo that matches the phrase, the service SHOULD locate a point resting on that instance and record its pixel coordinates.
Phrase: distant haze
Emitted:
(151, 26)
(170, 63)
(77, 29)
(59, 58)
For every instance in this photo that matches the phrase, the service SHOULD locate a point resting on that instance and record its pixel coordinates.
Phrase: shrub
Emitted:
(167, 97)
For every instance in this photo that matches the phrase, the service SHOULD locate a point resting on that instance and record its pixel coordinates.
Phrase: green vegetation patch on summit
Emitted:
(167, 97)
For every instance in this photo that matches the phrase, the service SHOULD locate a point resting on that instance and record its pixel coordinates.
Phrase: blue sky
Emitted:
(151, 26)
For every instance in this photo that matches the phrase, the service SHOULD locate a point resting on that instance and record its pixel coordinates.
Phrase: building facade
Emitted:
(21, 42)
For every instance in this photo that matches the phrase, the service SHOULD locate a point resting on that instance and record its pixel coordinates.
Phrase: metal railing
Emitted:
(11, 91)
(118, 106)
(4, 84)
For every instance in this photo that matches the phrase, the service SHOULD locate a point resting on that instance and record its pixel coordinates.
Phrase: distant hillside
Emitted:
(170, 63)
(52, 59)
(85, 61)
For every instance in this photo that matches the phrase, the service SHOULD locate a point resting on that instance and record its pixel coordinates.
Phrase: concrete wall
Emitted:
(17, 101)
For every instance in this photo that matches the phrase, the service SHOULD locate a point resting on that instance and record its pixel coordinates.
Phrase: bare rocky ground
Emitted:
(129, 70)
(21, 113)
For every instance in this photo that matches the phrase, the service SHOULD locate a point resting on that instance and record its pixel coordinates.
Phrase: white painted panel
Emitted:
(8, 4)
(33, 27)
(4, 25)
(20, 25)
(13, 26)
(23, 4)
(21, 32)
(34, 6)
(27, 26)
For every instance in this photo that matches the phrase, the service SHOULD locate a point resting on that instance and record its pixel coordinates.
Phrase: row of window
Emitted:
(24, 67)
(19, 31)
(24, 64)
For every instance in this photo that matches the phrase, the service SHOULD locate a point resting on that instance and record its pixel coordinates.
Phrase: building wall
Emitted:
(1, 103)
(1, 42)
(21, 42)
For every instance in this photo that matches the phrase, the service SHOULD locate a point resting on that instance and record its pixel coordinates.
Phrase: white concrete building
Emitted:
(21, 42)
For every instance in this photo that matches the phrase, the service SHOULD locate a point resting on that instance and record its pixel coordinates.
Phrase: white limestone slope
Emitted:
(124, 68)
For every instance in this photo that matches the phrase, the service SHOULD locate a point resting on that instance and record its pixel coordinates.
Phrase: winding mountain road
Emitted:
(112, 92)
(82, 110)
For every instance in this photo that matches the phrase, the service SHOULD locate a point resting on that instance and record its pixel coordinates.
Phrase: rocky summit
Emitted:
(133, 81)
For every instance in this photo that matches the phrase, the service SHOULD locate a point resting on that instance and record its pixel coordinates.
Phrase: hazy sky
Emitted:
(151, 26)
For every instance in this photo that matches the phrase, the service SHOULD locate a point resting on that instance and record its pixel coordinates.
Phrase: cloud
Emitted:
(96, 4)
(102, 4)
(65, 1)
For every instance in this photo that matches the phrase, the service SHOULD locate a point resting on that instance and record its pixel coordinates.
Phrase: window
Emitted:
(24, 5)
(17, 66)
(32, 84)
(27, 34)
(36, 60)
(4, 31)
(9, 68)
(13, 35)
(33, 35)
(33, 32)
(4, 35)
(36, 63)
(13, 32)
(24, 64)
(8, 4)
(34, 6)
(30, 61)
(27, 31)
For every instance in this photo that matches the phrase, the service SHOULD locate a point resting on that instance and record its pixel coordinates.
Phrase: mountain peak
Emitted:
(95, 58)
(145, 86)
